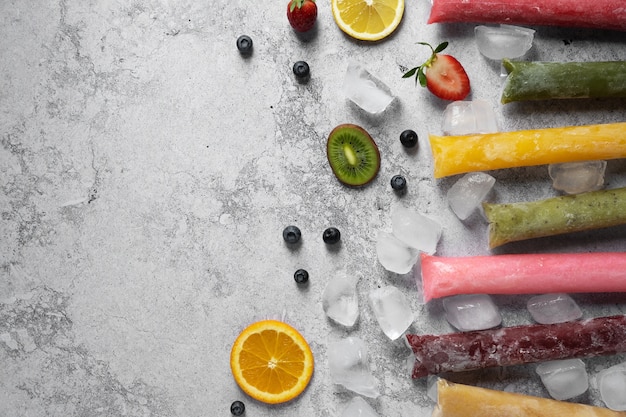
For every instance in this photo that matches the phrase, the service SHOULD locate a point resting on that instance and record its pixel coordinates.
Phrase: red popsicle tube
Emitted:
(523, 274)
(596, 14)
(456, 352)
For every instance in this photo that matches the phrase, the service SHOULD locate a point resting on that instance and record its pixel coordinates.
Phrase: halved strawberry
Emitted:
(443, 75)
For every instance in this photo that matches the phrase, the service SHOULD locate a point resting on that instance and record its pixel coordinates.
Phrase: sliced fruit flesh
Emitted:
(271, 362)
(353, 155)
(350, 155)
(368, 19)
(374, 13)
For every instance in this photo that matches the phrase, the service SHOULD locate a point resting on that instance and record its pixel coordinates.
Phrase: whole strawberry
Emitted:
(302, 14)
(443, 75)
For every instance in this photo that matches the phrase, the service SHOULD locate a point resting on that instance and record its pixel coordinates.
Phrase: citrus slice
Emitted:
(368, 20)
(271, 361)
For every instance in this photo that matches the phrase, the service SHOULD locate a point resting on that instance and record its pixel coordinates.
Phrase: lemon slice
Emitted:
(368, 20)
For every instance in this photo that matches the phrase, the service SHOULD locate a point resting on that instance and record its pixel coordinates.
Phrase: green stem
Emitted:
(559, 80)
(554, 216)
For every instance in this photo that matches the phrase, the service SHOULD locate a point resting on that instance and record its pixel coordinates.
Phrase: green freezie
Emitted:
(562, 80)
(558, 215)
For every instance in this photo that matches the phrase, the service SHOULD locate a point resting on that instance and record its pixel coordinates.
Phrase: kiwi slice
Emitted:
(352, 154)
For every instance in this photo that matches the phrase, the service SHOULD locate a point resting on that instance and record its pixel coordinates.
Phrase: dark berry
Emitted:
(292, 234)
(237, 408)
(301, 276)
(244, 44)
(398, 183)
(408, 138)
(331, 235)
(301, 69)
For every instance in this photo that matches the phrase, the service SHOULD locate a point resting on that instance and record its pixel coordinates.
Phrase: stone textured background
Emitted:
(147, 171)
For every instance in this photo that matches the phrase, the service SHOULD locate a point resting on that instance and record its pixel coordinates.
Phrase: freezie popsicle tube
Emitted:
(523, 274)
(456, 352)
(596, 14)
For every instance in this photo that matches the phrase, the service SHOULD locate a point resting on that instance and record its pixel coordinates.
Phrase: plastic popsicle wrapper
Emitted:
(458, 400)
(523, 274)
(554, 216)
(454, 155)
(598, 14)
(518, 345)
(563, 80)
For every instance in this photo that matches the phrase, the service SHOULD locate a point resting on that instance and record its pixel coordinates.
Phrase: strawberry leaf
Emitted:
(292, 6)
(421, 77)
(410, 72)
(441, 47)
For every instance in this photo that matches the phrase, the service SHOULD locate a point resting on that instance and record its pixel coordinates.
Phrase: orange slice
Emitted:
(271, 361)
(368, 20)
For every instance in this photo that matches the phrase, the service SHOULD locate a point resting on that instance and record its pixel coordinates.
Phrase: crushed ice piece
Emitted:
(410, 363)
(340, 301)
(395, 255)
(469, 117)
(415, 229)
(358, 407)
(553, 308)
(349, 366)
(365, 90)
(472, 312)
(504, 41)
(564, 379)
(469, 192)
(392, 310)
(577, 177)
(431, 386)
(612, 386)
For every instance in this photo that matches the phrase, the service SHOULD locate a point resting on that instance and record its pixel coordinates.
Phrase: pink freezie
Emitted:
(523, 274)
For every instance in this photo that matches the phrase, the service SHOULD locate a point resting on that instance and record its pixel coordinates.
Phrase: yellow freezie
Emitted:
(483, 152)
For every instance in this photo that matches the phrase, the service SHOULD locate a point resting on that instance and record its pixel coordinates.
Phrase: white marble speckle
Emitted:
(147, 170)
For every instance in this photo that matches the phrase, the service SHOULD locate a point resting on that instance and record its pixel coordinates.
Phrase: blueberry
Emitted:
(292, 234)
(301, 69)
(408, 138)
(331, 235)
(398, 183)
(237, 408)
(301, 276)
(244, 44)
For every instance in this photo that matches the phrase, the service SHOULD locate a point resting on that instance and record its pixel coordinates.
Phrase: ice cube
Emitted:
(349, 366)
(504, 41)
(469, 192)
(358, 407)
(365, 90)
(392, 310)
(467, 117)
(564, 379)
(340, 300)
(577, 177)
(553, 308)
(612, 386)
(415, 229)
(395, 255)
(472, 312)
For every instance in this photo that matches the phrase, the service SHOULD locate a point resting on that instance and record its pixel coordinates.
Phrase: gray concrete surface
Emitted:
(147, 171)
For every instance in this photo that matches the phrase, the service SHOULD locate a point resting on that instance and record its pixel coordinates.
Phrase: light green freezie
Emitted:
(561, 80)
(554, 216)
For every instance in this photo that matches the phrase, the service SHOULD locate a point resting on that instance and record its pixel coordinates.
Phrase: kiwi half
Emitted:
(352, 154)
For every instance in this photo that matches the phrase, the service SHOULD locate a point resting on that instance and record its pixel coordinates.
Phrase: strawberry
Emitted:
(443, 75)
(302, 14)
